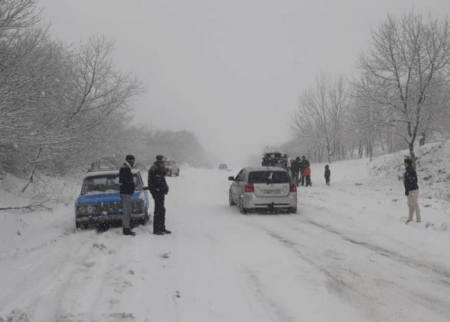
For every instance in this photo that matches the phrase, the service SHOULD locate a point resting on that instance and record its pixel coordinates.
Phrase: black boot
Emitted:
(128, 232)
(165, 231)
(158, 233)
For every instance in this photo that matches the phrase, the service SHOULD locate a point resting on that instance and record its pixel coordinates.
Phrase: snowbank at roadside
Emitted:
(370, 191)
(433, 164)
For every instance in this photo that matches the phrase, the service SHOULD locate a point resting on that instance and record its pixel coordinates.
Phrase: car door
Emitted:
(236, 186)
(145, 193)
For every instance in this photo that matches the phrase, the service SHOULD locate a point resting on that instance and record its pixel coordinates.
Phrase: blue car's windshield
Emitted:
(105, 183)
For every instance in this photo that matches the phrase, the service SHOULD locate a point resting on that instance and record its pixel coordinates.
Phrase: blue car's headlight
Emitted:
(81, 210)
(91, 208)
(87, 209)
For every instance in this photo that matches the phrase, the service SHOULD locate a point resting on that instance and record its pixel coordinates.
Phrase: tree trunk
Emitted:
(360, 149)
(412, 154)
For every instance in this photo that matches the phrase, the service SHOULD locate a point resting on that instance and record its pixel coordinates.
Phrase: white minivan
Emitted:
(263, 188)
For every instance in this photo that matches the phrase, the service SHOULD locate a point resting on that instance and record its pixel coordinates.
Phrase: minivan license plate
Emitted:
(272, 192)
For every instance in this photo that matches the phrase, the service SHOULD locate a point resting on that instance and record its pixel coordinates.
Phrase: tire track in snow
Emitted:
(278, 313)
(442, 274)
(61, 294)
(100, 270)
(347, 281)
(46, 268)
(337, 281)
(20, 252)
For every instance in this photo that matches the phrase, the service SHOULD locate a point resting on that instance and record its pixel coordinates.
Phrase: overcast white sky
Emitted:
(229, 70)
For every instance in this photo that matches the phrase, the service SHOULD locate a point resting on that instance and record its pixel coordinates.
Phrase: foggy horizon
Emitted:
(231, 72)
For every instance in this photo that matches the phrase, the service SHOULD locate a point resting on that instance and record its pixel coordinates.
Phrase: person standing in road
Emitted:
(411, 190)
(159, 189)
(127, 187)
(327, 175)
(295, 169)
(307, 175)
(303, 165)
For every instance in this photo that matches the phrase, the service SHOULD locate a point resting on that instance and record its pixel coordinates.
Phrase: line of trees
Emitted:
(58, 104)
(181, 146)
(401, 95)
(63, 107)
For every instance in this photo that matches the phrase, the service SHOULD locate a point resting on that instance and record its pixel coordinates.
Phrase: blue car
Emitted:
(100, 203)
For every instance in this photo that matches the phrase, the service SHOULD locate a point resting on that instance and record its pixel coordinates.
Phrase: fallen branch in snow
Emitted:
(37, 204)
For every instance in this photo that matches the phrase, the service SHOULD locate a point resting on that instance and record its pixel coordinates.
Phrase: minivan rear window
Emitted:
(269, 177)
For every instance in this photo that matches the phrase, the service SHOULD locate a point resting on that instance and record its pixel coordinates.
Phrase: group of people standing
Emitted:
(301, 172)
(158, 188)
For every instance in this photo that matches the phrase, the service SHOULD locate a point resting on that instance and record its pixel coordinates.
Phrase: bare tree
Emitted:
(58, 104)
(320, 116)
(407, 60)
(15, 16)
(19, 38)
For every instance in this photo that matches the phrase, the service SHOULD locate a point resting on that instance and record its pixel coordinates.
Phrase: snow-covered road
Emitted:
(346, 256)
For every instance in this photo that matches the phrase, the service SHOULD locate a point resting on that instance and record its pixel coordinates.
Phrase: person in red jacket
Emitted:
(307, 174)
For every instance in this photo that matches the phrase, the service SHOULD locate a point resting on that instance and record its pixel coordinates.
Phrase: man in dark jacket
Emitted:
(304, 164)
(411, 190)
(327, 175)
(126, 191)
(295, 169)
(158, 188)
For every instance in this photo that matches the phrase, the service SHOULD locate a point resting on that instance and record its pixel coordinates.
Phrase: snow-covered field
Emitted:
(346, 256)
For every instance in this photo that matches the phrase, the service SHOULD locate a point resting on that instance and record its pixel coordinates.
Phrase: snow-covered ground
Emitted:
(346, 256)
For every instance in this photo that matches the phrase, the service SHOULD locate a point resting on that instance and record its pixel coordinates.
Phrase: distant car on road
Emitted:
(172, 168)
(223, 166)
(263, 188)
(99, 201)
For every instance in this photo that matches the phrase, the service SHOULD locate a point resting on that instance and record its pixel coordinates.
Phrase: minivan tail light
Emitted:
(293, 188)
(249, 187)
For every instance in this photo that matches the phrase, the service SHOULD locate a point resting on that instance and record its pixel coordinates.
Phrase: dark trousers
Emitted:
(308, 181)
(295, 177)
(302, 179)
(126, 210)
(327, 181)
(159, 219)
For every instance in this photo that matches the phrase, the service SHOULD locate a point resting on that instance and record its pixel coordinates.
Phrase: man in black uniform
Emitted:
(126, 191)
(158, 188)
(303, 165)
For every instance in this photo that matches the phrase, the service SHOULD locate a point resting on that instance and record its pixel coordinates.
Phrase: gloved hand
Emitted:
(406, 193)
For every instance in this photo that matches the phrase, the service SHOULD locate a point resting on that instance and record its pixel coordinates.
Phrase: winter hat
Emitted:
(159, 157)
(408, 160)
(129, 157)
(326, 166)
(297, 158)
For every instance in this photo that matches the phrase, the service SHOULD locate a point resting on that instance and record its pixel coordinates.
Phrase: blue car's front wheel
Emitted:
(81, 226)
